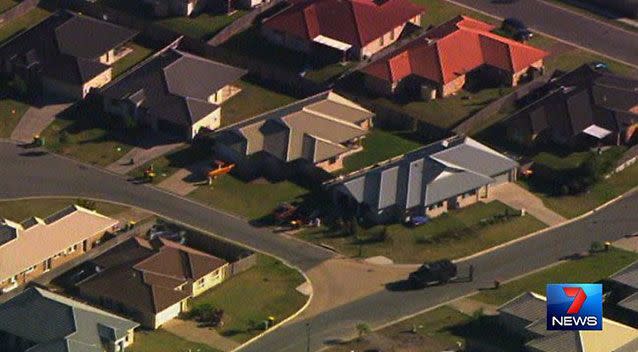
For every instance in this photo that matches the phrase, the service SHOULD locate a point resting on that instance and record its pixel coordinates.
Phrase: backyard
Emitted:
(7, 4)
(203, 26)
(378, 145)
(162, 341)
(452, 235)
(251, 101)
(248, 299)
(138, 54)
(23, 22)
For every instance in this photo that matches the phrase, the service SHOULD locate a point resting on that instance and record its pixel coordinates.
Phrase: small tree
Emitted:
(363, 329)
(86, 203)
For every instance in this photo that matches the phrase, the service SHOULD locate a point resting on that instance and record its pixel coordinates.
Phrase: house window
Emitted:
(30, 270)
(381, 41)
(392, 34)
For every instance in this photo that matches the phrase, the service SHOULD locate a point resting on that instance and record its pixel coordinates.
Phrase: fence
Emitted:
(501, 105)
(244, 22)
(18, 10)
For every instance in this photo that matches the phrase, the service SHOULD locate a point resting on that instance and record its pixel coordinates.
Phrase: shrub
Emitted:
(596, 246)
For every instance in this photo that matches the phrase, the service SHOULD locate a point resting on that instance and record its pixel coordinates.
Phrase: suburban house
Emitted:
(348, 29)
(585, 106)
(462, 52)
(163, 8)
(173, 92)
(65, 55)
(624, 293)
(150, 281)
(525, 316)
(318, 132)
(39, 320)
(448, 174)
(35, 246)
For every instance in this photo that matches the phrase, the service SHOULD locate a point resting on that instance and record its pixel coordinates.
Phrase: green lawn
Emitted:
(7, 4)
(378, 145)
(202, 27)
(251, 101)
(19, 210)
(557, 162)
(252, 200)
(325, 73)
(163, 341)
(138, 54)
(452, 235)
(589, 269)
(248, 299)
(29, 19)
(89, 139)
(603, 191)
(11, 112)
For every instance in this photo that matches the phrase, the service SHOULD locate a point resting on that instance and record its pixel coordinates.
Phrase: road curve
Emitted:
(568, 25)
(34, 173)
(31, 172)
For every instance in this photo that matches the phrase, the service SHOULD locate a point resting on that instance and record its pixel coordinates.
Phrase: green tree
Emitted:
(363, 329)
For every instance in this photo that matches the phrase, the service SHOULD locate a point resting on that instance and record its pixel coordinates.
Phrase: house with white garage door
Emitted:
(448, 174)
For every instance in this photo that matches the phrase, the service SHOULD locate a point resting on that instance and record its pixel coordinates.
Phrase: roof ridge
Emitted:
(330, 118)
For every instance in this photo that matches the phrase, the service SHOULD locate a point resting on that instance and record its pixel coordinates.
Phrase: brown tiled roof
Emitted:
(146, 276)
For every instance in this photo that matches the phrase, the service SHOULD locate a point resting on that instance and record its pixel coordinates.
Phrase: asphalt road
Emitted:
(567, 25)
(29, 172)
(32, 173)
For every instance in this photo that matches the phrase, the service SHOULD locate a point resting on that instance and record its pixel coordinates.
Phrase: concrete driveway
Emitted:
(35, 120)
(519, 198)
(151, 146)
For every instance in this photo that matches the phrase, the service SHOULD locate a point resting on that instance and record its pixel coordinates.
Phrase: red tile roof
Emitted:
(356, 22)
(453, 49)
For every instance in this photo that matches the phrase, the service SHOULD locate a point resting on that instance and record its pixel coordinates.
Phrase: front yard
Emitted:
(573, 205)
(252, 200)
(11, 112)
(163, 341)
(453, 235)
(81, 132)
(250, 298)
(593, 268)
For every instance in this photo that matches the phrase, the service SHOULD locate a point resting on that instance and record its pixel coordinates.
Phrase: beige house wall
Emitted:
(210, 280)
(224, 94)
(516, 77)
(212, 121)
(453, 86)
(55, 260)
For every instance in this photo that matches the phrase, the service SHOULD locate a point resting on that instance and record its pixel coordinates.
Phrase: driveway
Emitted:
(191, 331)
(35, 120)
(153, 148)
(519, 198)
(573, 27)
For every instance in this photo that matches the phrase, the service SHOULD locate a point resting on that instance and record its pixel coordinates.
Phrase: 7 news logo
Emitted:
(574, 307)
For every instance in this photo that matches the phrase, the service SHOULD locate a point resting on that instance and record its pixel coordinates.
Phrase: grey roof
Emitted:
(631, 346)
(66, 45)
(7, 233)
(627, 276)
(565, 341)
(528, 306)
(570, 103)
(315, 129)
(630, 302)
(175, 86)
(89, 38)
(56, 323)
(426, 176)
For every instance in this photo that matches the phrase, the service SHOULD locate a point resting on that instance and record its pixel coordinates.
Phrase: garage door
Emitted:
(501, 178)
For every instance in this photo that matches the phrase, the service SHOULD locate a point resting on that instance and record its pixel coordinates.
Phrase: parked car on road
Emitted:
(438, 272)
(517, 29)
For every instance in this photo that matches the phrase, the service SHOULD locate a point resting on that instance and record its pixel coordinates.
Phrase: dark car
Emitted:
(517, 29)
(438, 272)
